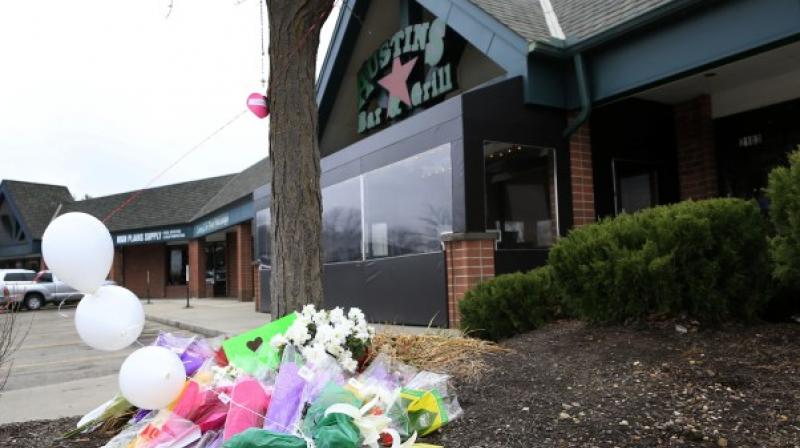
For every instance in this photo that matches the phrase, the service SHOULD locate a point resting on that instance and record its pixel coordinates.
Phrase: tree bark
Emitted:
(296, 210)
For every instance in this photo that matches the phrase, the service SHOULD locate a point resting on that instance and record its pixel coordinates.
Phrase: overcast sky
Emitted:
(102, 95)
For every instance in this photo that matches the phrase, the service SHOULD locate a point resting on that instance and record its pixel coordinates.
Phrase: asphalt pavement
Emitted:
(54, 374)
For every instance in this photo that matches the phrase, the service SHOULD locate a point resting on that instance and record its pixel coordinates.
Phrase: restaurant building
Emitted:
(461, 138)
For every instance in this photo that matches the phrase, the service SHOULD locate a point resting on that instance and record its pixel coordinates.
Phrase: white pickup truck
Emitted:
(43, 288)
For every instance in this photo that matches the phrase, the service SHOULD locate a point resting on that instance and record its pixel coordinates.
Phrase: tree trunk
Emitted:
(296, 211)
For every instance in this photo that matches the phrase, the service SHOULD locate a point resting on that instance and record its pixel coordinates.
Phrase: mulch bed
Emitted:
(47, 433)
(572, 385)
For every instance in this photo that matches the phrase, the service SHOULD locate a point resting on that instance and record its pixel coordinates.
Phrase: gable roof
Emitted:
(239, 186)
(36, 202)
(153, 207)
(524, 17)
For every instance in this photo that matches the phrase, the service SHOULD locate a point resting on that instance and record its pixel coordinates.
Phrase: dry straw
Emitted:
(466, 359)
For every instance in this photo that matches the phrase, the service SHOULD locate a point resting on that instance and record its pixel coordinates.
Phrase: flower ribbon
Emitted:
(371, 426)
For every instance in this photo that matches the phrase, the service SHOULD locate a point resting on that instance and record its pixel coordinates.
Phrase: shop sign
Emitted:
(413, 67)
(151, 236)
(212, 224)
(750, 140)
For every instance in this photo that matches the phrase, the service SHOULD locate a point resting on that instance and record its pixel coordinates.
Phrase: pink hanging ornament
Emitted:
(257, 103)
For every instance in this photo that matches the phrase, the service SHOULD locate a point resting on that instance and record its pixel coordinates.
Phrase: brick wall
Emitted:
(694, 138)
(197, 268)
(244, 260)
(581, 176)
(469, 261)
(138, 260)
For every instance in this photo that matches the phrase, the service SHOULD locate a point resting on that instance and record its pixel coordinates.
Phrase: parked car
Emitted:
(11, 283)
(47, 288)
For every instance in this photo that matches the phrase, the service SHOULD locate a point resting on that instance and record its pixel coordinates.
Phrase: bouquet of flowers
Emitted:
(317, 334)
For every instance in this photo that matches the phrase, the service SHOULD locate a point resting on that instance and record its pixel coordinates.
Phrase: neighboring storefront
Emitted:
(461, 138)
(189, 239)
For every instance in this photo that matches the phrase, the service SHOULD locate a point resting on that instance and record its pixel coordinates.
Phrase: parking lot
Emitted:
(54, 374)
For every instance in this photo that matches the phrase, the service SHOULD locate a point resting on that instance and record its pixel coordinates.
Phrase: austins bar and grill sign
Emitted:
(414, 55)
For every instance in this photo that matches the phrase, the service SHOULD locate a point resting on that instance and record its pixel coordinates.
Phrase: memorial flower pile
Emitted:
(302, 381)
(318, 333)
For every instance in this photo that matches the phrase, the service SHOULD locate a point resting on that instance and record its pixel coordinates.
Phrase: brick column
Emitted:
(257, 286)
(232, 265)
(581, 176)
(694, 140)
(244, 261)
(117, 267)
(197, 268)
(470, 259)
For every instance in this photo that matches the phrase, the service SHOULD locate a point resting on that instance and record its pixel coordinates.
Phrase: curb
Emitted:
(207, 332)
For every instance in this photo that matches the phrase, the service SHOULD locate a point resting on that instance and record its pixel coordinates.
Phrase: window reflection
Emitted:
(262, 236)
(408, 204)
(521, 195)
(177, 260)
(341, 221)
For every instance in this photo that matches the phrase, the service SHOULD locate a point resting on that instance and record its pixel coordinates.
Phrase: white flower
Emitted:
(278, 341)
(349, 364)
(336, 315)
(308, 311)
(298, 334)
(320, 318)
(314, 354)
(355, 314)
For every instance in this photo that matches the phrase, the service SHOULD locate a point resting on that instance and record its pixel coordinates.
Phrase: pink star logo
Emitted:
(396, 82)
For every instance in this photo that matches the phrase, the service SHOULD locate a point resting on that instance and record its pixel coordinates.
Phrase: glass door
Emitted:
(635, 185)
(521, 195)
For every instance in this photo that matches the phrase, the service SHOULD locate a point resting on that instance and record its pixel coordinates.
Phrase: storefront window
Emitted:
(177, 259)
(521, 195)
(635, 185)
(341, 221)
(408, 204)
(262, 236)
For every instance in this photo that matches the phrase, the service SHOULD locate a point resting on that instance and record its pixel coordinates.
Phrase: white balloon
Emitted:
(151, 377)
(110, 319)
(78, 249)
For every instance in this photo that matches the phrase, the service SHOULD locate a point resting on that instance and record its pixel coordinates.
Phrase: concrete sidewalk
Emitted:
(213, 317)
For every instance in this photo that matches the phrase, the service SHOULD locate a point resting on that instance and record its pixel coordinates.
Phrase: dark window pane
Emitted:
(520, 195)
(408, 204)
(341, 221)
(20, 277)
(177, 258)
(262, 236)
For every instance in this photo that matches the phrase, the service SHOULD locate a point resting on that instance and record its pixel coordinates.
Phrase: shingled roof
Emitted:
(36, 202)
(154, 207)
(524, 17)
(579, 19)
(240, 186)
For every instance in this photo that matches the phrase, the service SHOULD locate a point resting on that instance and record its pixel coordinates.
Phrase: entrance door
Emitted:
(216, 268)
(635, 185)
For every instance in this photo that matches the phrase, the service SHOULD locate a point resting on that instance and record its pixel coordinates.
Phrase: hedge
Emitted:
(510, 304)
(707, 259)
(783, 191)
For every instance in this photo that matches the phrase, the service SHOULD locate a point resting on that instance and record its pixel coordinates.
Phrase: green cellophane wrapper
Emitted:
(331, 394)
(260, 438)
(337, 431)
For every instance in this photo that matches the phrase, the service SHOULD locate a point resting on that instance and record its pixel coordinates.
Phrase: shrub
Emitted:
(510, 304)
(707, 259)
(783, 191)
